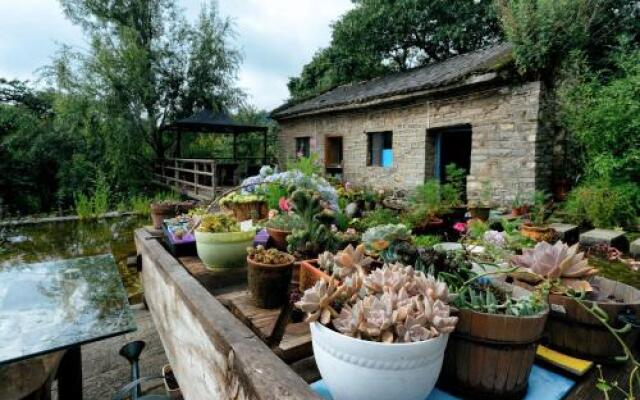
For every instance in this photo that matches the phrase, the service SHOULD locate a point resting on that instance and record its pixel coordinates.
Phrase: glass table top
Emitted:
(54, 305)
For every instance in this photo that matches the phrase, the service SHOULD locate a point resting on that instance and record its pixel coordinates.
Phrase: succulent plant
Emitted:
(238, 198)
(490, 299)
(345, 262)
(453, 267)
(269, 256)
(380, 238)
(218, 223)
(558, 263)
(392, 304)
(314, 235)
(285, 222)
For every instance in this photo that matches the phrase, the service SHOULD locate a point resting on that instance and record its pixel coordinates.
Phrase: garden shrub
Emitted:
(603, 204)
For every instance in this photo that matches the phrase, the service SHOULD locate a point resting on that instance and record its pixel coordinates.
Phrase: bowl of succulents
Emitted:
(574, 288)
(379, 335)
(268, 276)
(221, 243)
(245, 206)
(341, 265)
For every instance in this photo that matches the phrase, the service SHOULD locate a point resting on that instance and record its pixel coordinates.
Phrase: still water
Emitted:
(70, 239)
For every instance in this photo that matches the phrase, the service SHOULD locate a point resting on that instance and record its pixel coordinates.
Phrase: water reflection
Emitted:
(72, 239)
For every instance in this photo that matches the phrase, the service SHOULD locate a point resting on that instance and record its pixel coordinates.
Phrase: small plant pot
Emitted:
(224, 250)
(572, 330)
(278, 238)
(490, 356)
(538, 233)
(170, 383)
(268, 283)
(518, 211)
(355, 369)
(481, 213)
(310, 274)
(255, 210)
(162, 211)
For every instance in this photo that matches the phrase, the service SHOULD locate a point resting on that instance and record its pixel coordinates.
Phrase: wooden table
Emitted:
(61, 305)
(235, 350)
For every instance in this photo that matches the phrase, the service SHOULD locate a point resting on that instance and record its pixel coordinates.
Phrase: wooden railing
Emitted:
(190, 176)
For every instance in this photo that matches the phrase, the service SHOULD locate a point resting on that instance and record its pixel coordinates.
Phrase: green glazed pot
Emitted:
(224, 250)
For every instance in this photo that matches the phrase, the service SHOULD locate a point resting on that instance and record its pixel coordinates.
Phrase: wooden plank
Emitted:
(213, 355)
(213, 280)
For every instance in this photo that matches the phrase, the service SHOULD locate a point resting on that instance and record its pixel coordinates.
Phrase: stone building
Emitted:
(399, 130)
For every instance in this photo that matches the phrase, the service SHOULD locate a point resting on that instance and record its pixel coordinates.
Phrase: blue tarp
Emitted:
(543, 385)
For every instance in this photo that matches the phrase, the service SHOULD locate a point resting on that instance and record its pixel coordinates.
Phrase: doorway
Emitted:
(452, 145)
(333, 156)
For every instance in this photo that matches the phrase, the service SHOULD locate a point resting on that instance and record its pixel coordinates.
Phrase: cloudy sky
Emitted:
(277, 37)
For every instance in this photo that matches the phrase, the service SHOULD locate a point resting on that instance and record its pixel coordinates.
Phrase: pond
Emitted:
(51, 241)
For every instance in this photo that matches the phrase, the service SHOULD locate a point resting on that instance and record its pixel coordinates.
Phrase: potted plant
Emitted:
(427, 207)
(537, 228)
(281, 223)
(168, 208)
(383, 241)
(268, 276)
(341, 265)
(481, 208)
(376, 332)
(454, 192)
(220, 243)
(246, 206)
(519, 206)
(499, 326)
(313, 236)
(572, 281)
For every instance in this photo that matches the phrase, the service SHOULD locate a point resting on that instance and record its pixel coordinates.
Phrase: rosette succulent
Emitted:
(563, 265)
(345, 262)
(392, 304)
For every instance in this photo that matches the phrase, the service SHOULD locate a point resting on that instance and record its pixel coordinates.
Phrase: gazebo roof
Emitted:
(208, 121)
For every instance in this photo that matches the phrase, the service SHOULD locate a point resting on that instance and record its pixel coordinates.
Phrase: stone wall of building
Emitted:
(509, 150)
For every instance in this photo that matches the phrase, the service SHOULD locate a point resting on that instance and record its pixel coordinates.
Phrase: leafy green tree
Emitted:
(544, 32)
(380, 36)
(148, 65)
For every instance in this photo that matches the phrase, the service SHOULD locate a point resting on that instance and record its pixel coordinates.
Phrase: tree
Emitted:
(381, 36)
(148, 65)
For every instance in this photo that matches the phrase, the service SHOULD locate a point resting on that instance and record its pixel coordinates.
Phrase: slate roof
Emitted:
(208, 121)
(438, 75)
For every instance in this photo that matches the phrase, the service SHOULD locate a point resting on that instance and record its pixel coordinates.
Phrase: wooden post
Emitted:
(196, 176)
(213, 179)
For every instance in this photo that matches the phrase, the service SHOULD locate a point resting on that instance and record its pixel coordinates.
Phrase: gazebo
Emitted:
(201, 178)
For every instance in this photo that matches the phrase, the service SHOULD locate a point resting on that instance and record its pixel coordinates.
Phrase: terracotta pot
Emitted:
(574, 331)
(269, 283)
(279, 238)
(162, 211)
(310, 274)
(490, 356)
(481, 213)
(522, 210)
(561, 189)
(255, 210)
(538, 233)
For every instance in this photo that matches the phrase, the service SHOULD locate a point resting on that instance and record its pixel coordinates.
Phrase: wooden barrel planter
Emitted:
(572, 330)
(490, 356)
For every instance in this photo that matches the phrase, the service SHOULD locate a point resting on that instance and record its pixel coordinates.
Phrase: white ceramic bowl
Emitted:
(356, 369)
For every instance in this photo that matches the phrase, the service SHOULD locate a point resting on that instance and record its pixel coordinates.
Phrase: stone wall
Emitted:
(508, 148)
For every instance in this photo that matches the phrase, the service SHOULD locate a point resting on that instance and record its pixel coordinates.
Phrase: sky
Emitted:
(276, 37)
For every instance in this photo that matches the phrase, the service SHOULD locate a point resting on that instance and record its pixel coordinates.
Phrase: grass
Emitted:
(616, 270)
